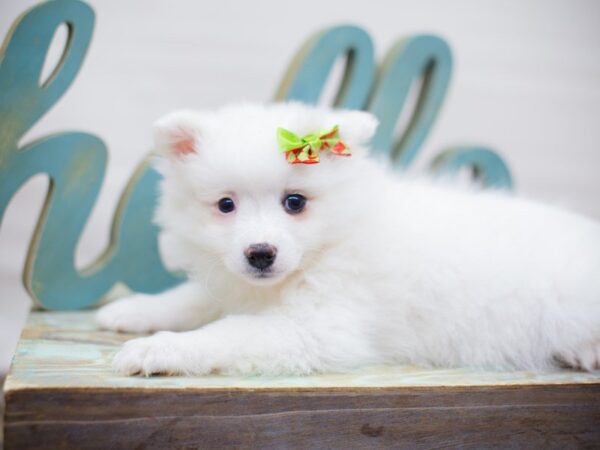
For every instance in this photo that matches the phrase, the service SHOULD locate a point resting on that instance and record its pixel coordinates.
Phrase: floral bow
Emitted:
(305, 150)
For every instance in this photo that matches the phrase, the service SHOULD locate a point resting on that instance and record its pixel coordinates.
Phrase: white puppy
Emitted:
(298, 268)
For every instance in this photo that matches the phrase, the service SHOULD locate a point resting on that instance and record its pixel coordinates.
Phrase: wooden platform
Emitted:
(62, 393)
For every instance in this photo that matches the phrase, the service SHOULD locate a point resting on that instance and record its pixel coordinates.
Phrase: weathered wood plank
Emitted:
(501, 417)
(62, 393)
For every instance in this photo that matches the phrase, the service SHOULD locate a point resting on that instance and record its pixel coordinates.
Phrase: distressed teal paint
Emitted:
(65, 350)
(422, 57)
(75, 163)
(487, 166)
(309, 72)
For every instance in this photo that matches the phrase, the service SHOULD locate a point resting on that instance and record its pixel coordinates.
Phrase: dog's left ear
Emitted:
(178, 133)
(356, 127)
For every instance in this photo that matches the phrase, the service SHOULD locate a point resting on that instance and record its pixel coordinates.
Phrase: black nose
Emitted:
(261, 256)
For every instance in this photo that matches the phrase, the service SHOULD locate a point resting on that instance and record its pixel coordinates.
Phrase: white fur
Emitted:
(379, 268)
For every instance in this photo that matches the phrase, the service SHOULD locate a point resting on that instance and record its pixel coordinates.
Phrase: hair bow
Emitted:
(306, 149)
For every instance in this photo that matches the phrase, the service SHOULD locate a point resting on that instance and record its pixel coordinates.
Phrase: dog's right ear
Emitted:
(178, 133)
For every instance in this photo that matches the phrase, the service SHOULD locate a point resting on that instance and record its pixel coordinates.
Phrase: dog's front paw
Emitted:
(163, 353)
(132, 314)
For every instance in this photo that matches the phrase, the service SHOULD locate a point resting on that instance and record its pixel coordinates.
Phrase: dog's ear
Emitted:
(178, 133)
(356, 127)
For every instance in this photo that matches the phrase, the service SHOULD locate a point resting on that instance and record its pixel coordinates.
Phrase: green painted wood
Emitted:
(75, 164)
(68, 350)
(420, 57)
(309, 71)
(486, 165)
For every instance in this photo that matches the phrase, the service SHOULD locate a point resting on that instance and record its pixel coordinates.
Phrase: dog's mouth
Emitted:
(263, 276)
(262, 273)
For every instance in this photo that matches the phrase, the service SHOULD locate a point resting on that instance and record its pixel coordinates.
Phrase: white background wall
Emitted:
(526, 81)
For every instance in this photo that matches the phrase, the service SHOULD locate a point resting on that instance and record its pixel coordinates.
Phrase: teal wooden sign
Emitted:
(384, 92)
(75, 162)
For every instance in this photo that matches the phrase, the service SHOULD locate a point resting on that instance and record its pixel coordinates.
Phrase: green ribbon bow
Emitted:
(306, 149)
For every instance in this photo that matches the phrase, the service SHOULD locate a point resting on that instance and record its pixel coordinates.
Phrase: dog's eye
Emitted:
(294, 203)
(226, 205)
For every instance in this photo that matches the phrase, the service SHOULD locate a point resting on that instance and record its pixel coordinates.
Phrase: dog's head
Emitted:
(232, 199)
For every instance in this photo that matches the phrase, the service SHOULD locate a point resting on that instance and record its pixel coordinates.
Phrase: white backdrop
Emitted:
(526, 81)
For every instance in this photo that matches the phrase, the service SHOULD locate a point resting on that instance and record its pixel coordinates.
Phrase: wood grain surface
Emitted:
(62, 393)
(478, 417)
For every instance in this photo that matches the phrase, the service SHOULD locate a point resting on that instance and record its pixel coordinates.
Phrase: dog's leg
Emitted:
(266, 344)
(184, 307)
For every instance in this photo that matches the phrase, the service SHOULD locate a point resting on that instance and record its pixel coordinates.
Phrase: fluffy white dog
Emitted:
(301, 268)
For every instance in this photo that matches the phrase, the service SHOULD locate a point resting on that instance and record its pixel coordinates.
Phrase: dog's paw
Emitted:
(163, 353)
(585, 357)
(133, 314)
